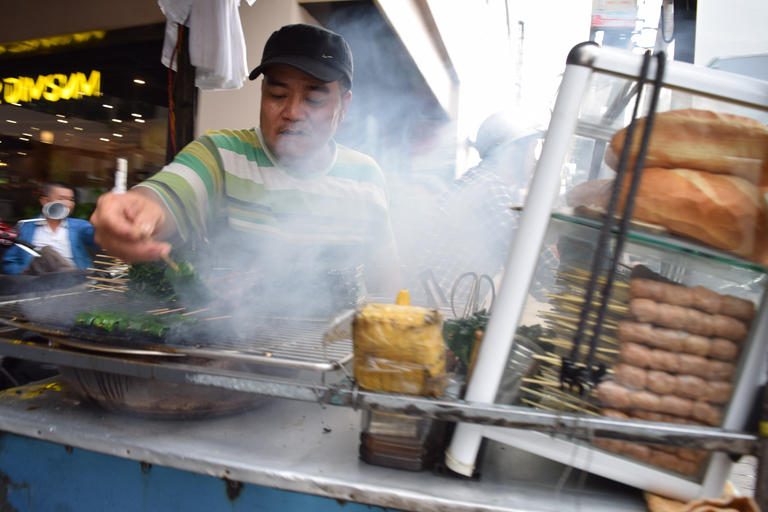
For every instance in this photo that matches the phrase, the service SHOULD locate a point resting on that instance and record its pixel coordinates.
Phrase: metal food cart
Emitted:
(299, 450)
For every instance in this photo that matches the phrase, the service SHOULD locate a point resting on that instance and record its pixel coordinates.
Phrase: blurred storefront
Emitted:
(72, 104)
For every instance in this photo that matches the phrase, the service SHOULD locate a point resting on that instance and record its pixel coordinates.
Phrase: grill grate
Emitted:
(283, 340)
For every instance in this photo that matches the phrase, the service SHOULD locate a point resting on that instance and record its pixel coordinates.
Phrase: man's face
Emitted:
(299, 116)
(60, 195)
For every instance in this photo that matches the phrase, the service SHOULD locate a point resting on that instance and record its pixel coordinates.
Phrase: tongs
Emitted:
(572, 374)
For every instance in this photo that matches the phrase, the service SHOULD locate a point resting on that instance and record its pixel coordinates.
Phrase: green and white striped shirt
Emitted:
(231, 176)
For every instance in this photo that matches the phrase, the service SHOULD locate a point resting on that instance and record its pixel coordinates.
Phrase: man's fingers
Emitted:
(132, 251)
(125, 225)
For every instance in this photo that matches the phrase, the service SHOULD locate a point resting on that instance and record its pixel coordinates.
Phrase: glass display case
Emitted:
(682, 335)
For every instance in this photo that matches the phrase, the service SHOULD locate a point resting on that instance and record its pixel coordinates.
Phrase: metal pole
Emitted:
(761, 483)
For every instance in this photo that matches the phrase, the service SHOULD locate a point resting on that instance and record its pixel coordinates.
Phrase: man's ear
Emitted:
(346, 99)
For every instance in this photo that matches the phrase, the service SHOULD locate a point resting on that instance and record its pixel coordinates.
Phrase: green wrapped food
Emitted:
(138, 324)
(157, 282)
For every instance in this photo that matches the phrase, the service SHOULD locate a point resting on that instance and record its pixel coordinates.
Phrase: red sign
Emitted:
(607, 20)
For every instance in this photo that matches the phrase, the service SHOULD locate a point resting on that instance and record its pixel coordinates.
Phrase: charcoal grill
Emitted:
(275, 348)
(285, 341)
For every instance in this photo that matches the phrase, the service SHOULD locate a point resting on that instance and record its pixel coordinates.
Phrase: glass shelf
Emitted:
(664, 241)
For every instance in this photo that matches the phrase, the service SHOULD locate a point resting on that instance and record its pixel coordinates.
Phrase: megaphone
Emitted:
(55, 210)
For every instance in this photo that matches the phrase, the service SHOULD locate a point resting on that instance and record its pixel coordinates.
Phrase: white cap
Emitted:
(503, 128)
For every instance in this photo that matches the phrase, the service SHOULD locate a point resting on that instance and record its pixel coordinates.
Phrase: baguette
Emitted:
(703, 140)
(725, 212)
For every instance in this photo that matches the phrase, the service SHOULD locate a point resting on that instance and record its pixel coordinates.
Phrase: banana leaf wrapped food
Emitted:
(134, 324)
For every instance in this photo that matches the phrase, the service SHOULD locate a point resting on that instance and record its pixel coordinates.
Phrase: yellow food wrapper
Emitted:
(399, 349)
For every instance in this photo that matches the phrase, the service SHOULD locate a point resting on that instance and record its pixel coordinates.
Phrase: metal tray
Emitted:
(285, 342)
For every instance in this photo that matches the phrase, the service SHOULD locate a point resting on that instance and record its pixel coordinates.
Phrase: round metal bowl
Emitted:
(164, 400)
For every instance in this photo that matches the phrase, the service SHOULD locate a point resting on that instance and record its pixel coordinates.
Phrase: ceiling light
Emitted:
(102, 138)
(60, 115)
(140, 121)
(27, 134)
(22, 153)
(116, 135)
(136, 115)
(24, 139)
(10, 121)
(63, 121)
(46, 137)
(78, 128)
(117, 121)
(16, 104)
(107, 106)
(139, 81)
(34, 128)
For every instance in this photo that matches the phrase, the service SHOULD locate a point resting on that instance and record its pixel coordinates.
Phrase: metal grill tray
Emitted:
(287, 342)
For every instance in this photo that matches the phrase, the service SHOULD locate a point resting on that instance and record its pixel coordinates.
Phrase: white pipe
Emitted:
(521, 264)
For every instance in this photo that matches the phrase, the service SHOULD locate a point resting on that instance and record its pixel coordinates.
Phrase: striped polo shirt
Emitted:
(229, 188)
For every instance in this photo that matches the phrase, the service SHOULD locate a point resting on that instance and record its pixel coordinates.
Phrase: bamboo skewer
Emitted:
(600, 280)
(543, 382)
(549, 397)
(117, 281)
(581, 300)
(537, 405)
(111, 271)
(570, 319)
(569, 344)
(168, 311)
(109, 263)
(193, 312)
(215, 318)
(171, 263)
(102, 287)
(552, 360)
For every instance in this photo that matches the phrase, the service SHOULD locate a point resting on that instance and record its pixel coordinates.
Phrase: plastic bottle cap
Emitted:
(403, 298)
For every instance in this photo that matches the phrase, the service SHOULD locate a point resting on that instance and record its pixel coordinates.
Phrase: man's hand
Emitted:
(127, 225)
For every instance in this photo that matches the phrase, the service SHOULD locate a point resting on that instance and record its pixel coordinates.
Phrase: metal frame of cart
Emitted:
(584, 61)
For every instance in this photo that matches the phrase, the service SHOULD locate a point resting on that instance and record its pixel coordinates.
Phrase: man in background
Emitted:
(473, 223)
(62, 242)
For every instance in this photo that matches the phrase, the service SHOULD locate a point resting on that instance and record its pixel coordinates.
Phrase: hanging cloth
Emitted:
(216, 40)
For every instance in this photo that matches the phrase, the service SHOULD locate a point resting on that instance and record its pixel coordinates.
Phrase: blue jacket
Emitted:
(16, 260)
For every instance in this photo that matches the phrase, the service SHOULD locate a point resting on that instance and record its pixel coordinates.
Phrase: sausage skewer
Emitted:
(685, 319)
(663, 383)
(672, 362)
(677, 341)
(697, 297)
(615, 395)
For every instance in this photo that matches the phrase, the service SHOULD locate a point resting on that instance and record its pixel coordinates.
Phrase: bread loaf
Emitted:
(723, 211)
(702, 140)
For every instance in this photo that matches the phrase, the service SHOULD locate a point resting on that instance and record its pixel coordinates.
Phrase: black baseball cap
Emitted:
(320, 53)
